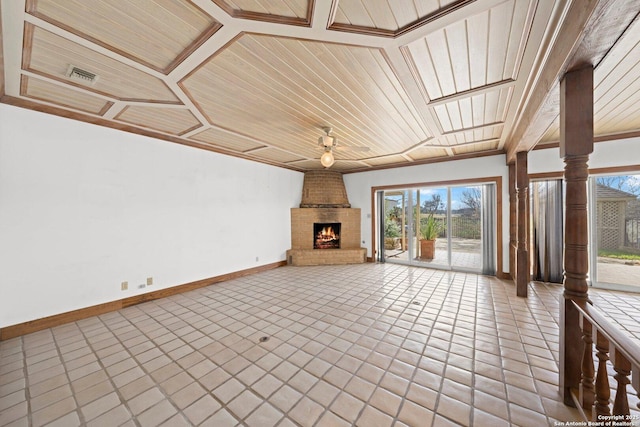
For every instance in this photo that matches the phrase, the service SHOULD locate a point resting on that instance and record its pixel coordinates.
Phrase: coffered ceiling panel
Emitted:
(474, 52)
(386, 18)
(136, 29)
(374, 14)
(282, 86)
(474, 111)
(340, 166)
(388, 160)
(51, 55)
(424, 153)
(63, 96)
(314, 165)
(470, 136)
(226, 140)
(269, 10)
(170, 120)
(475, 148)
(275, 155)
(617, 86)
(398, 82)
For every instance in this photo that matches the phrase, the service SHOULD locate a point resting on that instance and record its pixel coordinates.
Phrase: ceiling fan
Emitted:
(329, 143)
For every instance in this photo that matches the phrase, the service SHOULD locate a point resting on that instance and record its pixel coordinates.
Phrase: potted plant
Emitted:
(429, 230)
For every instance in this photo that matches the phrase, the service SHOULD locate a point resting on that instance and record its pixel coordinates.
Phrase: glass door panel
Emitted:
(615, 249)
(395, 244)
(431, 219)
(466, 227)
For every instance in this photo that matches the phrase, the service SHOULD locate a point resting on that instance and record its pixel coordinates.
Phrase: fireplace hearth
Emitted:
(326, 235)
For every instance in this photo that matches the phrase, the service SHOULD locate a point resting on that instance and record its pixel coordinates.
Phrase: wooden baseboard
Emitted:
(20, 329)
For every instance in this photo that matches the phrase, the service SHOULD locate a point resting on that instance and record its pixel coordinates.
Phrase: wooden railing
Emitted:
(594, 393)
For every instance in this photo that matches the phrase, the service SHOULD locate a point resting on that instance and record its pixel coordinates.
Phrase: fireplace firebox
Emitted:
(326, 235)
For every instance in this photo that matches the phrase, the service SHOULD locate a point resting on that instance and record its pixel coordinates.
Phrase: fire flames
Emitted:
(326, 235)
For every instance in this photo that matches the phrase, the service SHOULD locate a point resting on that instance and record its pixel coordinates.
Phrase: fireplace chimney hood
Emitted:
(324, 189)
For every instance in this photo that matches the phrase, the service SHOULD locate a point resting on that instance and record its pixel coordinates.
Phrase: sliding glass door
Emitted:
(449, 227)
(615, 231)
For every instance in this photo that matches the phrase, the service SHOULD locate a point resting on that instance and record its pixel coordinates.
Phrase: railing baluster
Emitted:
(623, 368)
(603, 392)
(586, 394)
(611, 346)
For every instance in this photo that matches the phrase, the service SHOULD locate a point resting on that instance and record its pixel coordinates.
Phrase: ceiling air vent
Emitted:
(84, 76)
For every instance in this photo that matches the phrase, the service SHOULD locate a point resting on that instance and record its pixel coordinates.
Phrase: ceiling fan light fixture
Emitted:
(327, 159)
(327, 141)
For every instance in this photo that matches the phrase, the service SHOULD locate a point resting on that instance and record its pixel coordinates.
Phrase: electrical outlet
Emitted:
(124, 286)
(257, 259)
(149, 281)
(141, 286)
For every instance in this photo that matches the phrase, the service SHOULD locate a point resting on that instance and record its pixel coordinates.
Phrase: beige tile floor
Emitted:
(365, 345)
(622, 308)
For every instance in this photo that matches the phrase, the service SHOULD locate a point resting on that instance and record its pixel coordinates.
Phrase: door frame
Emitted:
(497, 180)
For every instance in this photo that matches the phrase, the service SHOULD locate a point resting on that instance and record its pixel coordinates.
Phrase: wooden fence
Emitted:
(462, 227)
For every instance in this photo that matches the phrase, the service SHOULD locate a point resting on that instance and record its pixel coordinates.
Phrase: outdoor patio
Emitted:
(619, 272)
(465, 254)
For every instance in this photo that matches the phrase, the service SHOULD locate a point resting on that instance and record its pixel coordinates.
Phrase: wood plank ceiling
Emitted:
(411, 81)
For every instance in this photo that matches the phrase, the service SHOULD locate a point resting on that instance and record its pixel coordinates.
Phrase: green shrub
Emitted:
(391, 228)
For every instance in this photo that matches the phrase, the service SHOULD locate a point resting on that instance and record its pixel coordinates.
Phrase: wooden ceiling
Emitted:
(413, 81)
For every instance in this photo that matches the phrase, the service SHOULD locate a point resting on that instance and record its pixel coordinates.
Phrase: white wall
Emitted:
(621, 152)
(84, 208)
(359, 188)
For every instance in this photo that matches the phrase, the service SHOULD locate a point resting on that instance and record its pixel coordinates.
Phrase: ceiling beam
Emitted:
(590, 29)
(473, 128)
(472, 92)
